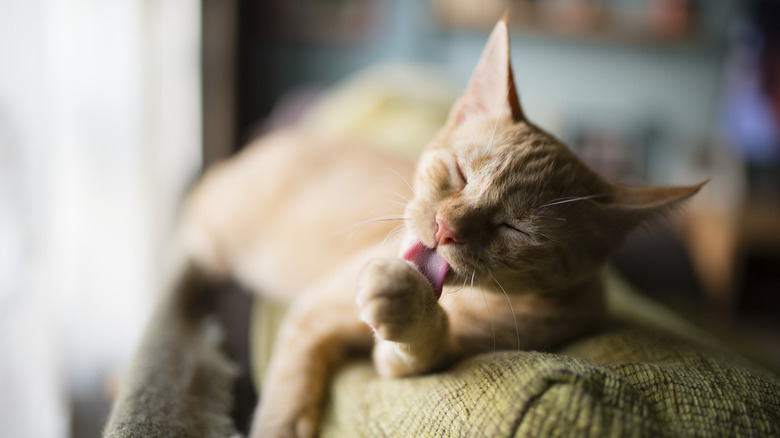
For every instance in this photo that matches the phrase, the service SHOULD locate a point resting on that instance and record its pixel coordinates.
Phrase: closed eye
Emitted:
(516, 229)
(460, 173)
(457, 176)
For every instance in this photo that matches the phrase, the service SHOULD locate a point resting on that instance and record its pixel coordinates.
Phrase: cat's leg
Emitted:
(317, 330)
(412, 330)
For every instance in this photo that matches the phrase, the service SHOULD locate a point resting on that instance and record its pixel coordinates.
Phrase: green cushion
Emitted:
(626, 382)
(632, 380)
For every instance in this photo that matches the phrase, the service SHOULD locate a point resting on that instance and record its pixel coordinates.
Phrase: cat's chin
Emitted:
(433, 266)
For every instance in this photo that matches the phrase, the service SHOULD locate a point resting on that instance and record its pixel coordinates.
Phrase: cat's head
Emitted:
(495, 196)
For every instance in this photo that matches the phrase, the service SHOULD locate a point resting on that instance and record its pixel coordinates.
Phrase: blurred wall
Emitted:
(615, 81)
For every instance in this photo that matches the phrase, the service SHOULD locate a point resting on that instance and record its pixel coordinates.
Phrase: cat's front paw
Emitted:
(395, 299)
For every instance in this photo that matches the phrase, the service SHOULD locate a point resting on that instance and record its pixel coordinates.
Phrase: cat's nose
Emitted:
(443, 233)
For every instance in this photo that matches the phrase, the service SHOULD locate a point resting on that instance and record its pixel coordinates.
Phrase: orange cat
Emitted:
(503, 217)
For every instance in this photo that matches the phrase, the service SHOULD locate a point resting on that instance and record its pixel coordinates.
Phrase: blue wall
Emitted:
(563, 83)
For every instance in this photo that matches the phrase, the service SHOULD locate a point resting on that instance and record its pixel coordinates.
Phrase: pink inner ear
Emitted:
(491, 89)
(469, 106)
(429, 263)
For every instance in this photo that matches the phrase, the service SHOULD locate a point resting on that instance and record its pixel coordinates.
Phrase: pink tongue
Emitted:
(430, 264)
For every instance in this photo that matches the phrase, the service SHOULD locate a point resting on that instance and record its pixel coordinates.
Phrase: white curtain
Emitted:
(99, 135)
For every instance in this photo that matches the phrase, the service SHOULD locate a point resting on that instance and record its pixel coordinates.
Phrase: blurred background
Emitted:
(109, 111)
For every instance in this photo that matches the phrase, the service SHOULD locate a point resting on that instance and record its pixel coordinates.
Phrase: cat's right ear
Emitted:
(491, 90)
(634, 205)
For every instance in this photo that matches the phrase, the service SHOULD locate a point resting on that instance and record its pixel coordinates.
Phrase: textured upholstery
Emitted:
(625, 382)
(631, 380)
(654, 376)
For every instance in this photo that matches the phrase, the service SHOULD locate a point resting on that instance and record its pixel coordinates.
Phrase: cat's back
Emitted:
(291, 207)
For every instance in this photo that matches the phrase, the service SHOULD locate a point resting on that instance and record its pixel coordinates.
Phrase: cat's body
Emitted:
(290, 209)
(517, 224)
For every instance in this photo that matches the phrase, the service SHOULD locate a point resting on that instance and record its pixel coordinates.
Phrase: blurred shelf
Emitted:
(695, 40)
(576, 22)
(735, 252)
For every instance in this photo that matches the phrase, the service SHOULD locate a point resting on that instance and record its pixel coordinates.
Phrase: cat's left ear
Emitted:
(635, 205)
(491, 90)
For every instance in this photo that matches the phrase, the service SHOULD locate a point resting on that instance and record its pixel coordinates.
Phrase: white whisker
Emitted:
(493, 134)
(452, 291)
(553, 218)
(468, 303)
(572, 199)
(450, 303)
(402, 178)
(393, 201)
(402, 197)
(354, 227)
(378, 219)
(498, 118)
(490, 316)
(514, 316)
(394, 232)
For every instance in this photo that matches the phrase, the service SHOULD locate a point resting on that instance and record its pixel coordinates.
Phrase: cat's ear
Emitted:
(635, 205)
(491, 90)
